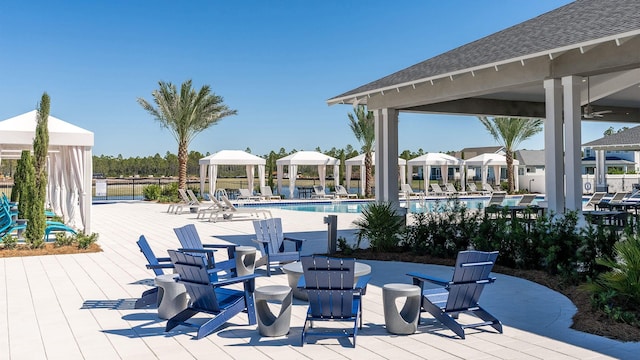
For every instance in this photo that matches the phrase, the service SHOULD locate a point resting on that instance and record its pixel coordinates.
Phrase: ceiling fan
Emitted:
(587, 110)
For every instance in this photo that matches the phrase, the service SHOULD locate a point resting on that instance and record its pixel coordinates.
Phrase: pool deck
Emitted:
(81, 306)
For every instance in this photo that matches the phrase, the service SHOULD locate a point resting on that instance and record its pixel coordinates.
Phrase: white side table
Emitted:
(245, 260)
(172, 296)
(405, 321)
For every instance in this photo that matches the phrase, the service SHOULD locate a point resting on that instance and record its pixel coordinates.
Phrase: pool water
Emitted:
(416, 206)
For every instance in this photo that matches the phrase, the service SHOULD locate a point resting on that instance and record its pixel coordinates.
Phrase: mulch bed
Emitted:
(586, 319)
(48, 249)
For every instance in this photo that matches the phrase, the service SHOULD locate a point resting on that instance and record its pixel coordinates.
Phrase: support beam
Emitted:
(572, 135)
(553, 154)
(488, 107)
(386, 128)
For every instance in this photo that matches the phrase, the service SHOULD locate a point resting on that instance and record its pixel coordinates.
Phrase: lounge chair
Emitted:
(438, 190)
(473, 189)
(319, 193)
(461, 294)
(617, 199)
(595, 199)
(229, 210)
(341, 192)
(267, 194)
(496, 199)
(486, 187)
(212, 297)
(527, 200)
(452, 189)
(246, 194)
(408, 191)
(185, 202)
(333, 295)
(271, 243)
(156, 264)
(9, 226)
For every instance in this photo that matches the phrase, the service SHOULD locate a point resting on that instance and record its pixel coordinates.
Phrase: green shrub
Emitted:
(84, 241)
(151, 192)
(381, 225)
(62, 239)
(10, 242)
(344, 247)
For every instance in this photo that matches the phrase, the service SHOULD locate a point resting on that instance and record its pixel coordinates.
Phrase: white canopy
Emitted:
(230, 157)
(437, 159)
(359, 161)
(483, 161)
(306, 158)
(70, 164)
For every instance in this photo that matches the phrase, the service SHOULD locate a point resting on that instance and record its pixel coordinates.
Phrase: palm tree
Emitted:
(510, 132)
(362, 124)
(185, 114)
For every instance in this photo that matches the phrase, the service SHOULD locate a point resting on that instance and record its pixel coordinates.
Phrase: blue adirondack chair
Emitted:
(211, 297)
(461, 294)
(191, 243)
(271, 242)
(157, 264)
(333, 296)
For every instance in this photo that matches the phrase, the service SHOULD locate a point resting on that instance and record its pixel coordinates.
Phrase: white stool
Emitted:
(405, 321)
(245, 260)
(270, 324)
(172, 296)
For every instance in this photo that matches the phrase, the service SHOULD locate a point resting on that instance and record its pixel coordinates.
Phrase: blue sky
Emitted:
(276, 62)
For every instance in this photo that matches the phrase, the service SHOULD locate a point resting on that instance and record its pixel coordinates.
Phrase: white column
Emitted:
(601, 171)
(386, 125)
(572, 137)
(87, 195)
(553, 147)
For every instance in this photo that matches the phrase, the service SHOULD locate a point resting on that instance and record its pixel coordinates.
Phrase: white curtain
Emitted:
(250, 174)
(293, 173)
(279, 174)
(496, 174)
(403, 174)
(213, 177)
(76, 164)
(322, 174)
(348, 177)
(261, 176)
(336, 174)
(203, 175)
(444, 172)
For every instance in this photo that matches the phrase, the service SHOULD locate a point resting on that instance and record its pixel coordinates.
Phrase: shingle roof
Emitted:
(530, 157)
(574, 23)
(625, 138)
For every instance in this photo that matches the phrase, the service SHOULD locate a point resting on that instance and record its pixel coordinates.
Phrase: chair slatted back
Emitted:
(470, 276)
(527, 199)
(143, 244)
(450, 187)
(496, 199)
(436, 188)
(318, 190)
(329, 284)
(269, 232)
(406, 188)
(195, 278)
(183, 196)
(189, 239)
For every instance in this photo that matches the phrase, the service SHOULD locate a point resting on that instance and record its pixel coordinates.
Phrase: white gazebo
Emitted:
(437, 159)
(230, 157)
(69, 164)
(497, 161)
(359, 161)
(306, 158)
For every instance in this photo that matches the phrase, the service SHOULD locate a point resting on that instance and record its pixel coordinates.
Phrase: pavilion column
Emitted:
(601, 171)
(572, 138)
(386, 179)
(553, 154)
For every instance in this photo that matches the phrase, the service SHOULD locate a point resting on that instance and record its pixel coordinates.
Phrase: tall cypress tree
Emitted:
(22, 179)
(37, 220)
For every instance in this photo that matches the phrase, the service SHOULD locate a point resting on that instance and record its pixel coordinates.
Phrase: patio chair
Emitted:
(342, 192)
(267, 194)
(246, 194)
(228, 210)
(452, 189)
(527, 200)
(191, 243)
(333, 295)
(319, 193)
(185, 201)
(156, 264)
(461, 294)
(211, 297)
(271, 243)
(9, 225)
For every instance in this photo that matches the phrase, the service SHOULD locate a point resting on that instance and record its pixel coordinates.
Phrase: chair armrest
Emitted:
(160, 266)
(418, 279)
(298, 242)
(164, 259)
(231, 249)
(208, 252)
(361, 285)
(234, 280)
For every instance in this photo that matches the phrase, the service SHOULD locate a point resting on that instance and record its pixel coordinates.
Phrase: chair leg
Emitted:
(180, 318)
(484, 315)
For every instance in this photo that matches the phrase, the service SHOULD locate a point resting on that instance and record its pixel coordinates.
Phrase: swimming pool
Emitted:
(416, 206)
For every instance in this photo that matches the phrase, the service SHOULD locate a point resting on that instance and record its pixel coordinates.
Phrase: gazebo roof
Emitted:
(489, 159)
(232, 157)
(20, 130)
(307, 158)
(359, 160)
(435, 159)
